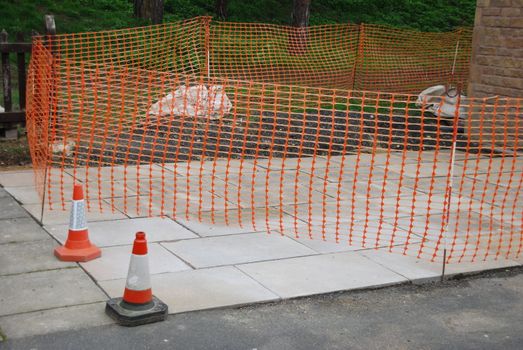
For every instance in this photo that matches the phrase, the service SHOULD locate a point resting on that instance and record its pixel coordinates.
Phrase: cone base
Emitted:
(118, 311)
(77, 255)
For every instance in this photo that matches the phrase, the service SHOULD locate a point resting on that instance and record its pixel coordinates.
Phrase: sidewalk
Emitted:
(480, 312)
(194, 266)
(38, 293)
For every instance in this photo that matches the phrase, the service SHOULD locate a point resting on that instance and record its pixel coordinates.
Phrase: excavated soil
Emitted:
(269, 134)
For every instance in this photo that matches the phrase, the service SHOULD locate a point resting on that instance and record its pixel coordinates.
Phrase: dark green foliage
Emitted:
(92, 15)
(71, 15)
(424, 15)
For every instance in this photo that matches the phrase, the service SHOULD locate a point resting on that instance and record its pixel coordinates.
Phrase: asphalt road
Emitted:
(481, 312)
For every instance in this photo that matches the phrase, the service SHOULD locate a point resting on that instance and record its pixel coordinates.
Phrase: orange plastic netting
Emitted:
(274, 129)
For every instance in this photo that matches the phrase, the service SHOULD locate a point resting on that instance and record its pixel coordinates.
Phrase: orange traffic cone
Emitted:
(77, 247)
(138, 305)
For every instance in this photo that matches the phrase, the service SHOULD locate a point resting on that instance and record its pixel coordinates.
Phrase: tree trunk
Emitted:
(300, 20)
(149, 9)
(221, 8)
(300, 13)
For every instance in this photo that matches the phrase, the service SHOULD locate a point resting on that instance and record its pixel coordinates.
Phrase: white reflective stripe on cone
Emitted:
(77, 220)
(138, 277)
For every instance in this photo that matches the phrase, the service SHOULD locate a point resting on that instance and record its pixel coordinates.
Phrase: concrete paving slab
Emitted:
(452, 268)
(443, 155)
(460, 223)
(166, 191)
(486, 245)
(62, 319)
(467, 267)
(47, 289)
(419, 170)
(17, 178)
(220, 223)
(313, 213)
(267, 177)
(517, 258)
(257, 198)
(201, 289)
(105, 189)
(21, 230)
(320, 274)
(149, 205)
(29, 194)
(198, 201)
(329, 174)
(224, 223)
(425, 184)
(10, 209)
(56, 200)
(27, 178)
(499, 178)
(506, 214)
(59, 216)
(482, 247)
(291, 163)
(57, 193)
(114, 262)
(326, 246)
(342, 212)
(350, 237)
(332, 174)
(25, 194)
(58, 176)
(416, 270)
(219, 167)
(346, 190)
(425, 204)
(483, 166)
(495, 195)
(365, 159)
(114, 173)
(134, 207)
(29, 257)
(236, 249)
(121, 232)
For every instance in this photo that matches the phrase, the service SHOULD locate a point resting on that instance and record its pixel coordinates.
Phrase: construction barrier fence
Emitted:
(300, 132)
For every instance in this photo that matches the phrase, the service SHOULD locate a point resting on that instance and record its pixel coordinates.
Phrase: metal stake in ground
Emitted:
(138, 305)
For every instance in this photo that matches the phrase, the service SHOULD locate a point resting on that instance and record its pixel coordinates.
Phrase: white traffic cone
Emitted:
(77, 247)
(138, 305)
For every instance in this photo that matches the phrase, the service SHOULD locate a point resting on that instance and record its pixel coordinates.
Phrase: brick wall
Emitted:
(497, 49)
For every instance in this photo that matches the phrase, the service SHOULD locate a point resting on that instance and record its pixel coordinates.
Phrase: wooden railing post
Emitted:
(20, 58)
(6, 75)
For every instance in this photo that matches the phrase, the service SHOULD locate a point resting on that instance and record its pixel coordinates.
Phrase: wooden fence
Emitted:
(20, 49)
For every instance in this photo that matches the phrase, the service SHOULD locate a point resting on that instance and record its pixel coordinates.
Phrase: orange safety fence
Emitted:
(345, 56)
(187, 135)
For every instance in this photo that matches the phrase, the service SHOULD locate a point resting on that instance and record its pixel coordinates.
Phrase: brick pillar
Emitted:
(497, 69)
(497, 49)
